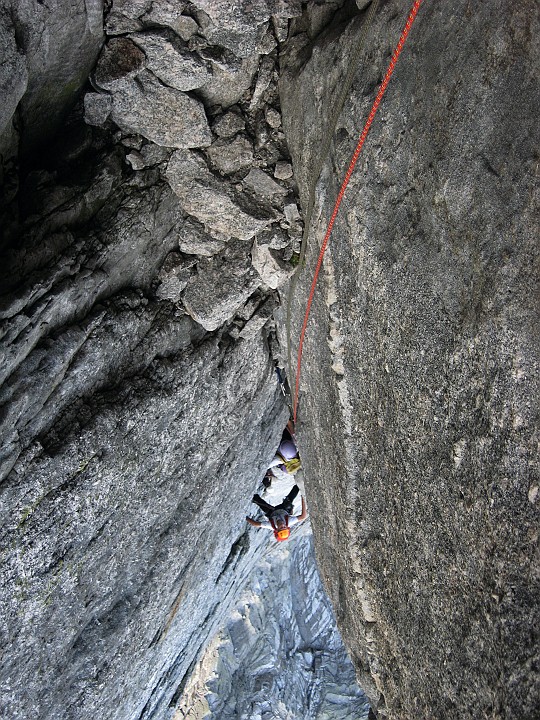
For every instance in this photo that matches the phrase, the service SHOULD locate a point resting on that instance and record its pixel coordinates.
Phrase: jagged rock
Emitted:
(173, 277)
(147, 156)
(281, 28)
(239, 676)
(283, 170)
(272, 269)
(273, 118)
(163, 115)
(229, 157)
(264, 78)
(228, 125)
(194, 240)
(262, 184)
(205, 199)
(169, 13)
(141, 452)
(134, 9)
(223, 283)
(175, 66)
(119, 60)
(257, 321)
(136, 142)
(186, 27)
(242, 27)
(229, 85)
(275, 237)
(97, 108)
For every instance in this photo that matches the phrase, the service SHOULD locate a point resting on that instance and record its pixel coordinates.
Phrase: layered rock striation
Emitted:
(279, 654)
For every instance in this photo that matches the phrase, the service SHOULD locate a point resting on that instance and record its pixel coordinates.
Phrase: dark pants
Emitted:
(286, 504)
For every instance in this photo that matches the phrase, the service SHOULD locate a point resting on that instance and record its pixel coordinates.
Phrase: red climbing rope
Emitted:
(382, 89)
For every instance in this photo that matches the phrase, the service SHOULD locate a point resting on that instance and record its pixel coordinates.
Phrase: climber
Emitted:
(280, 517)
(287, 458)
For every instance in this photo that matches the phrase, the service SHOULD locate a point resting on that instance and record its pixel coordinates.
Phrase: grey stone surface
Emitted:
(173, 277)
(263, 185)
(58, 56)
(273, 271)
(230, 84)
(419, 384)
(161, 114)
(174, 65)
(119, 60)
(194, 240)
(283, 170)
(231, 156)
(227, 125)
(223, 284)
(45, 61)
(242, 26)
(264, 78)
(209, 201)
(97, 108)
(132, 435)
(299, 670)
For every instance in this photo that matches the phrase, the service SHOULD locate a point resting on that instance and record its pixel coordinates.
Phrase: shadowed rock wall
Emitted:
(142, 262)
(419, 390)
(142, 248)
(135, 424)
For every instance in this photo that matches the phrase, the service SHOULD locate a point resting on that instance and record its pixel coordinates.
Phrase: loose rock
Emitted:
(207, 201)
(163, 115)
(176, 67)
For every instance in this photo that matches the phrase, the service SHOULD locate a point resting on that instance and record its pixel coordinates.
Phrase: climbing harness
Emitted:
(356, 154)
(314, 176)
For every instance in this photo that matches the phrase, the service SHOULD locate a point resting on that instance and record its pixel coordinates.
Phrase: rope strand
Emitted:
(356, 154)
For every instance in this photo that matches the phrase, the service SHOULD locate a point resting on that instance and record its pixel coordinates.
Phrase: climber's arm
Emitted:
(303, 514)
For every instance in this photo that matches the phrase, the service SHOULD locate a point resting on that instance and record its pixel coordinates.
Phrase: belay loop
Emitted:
(356, 154)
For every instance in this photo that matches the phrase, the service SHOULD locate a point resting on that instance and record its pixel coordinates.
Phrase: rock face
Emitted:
(139, 402)
(419, 387)
(279, 654)
(145, 257)
(45, 63)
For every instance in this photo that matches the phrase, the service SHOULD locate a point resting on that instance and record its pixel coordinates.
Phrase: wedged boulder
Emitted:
(221, 286)
(97, 108)
(229, 157)
(273, 271)
(173, 276)
(119, 60)
(227, 125)
(174, 65)
(263, 185)
(229, 83)
(210, 202)
(169, 13)
(194, 240)
(242, 26)
(161, 114)
(264, 78)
